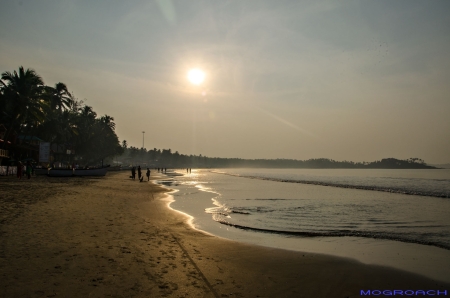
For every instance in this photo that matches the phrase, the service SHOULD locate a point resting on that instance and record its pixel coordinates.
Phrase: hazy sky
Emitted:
(347, 80)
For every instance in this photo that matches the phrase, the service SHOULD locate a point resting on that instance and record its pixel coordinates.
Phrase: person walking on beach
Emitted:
(148, 174)
(139, 173)
(19, 170)
(133, 173)
(29, 169)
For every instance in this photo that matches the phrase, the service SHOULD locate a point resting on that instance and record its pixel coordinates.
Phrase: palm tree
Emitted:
(87, 112)
(22, 96)
(96, 138)
(58, 126)
(109, 121)
(59, 97)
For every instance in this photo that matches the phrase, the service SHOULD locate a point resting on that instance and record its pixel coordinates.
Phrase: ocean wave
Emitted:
(337, 233)
(240, 212)
(399, 190)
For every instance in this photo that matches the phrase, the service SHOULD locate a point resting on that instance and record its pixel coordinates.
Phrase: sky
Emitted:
(345, 80)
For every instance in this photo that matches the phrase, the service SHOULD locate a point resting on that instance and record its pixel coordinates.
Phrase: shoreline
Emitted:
(113, 237)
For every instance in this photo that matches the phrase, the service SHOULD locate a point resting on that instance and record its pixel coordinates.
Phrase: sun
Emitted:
(196, 76)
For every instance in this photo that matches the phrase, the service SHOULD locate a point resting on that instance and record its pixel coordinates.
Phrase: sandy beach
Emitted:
(114, 237)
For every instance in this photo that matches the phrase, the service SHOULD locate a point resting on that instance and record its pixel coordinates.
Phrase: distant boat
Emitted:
(78, 172)
(60, 172)
(91, 172)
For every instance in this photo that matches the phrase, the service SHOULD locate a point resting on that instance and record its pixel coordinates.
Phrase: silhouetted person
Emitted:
(190, 170)
(187, 170)
(148, 174)
(28, 170)
(139, 173)
(19, 170)
(133, 173)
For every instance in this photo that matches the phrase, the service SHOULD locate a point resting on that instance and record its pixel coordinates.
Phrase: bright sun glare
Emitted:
(196, 76)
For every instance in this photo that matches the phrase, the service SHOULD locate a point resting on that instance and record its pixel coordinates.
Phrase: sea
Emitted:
(391, 217)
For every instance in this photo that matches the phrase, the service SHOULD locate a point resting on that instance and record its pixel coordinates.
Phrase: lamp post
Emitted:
(143, 132)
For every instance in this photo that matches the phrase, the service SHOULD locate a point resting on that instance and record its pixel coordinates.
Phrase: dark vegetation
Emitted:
(30, 110)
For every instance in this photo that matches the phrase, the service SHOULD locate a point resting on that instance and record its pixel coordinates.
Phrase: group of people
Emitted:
(28, 170)
(140, 177)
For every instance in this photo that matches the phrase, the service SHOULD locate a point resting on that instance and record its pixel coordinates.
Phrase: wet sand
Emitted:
(114, 237)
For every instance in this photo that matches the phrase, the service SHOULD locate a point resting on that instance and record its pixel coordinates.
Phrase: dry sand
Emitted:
(114, 237)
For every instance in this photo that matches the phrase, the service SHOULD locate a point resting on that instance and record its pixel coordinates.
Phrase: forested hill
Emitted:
(165, 158)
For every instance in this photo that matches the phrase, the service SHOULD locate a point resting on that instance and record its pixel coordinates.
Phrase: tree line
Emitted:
(165, 158)
(51, 113)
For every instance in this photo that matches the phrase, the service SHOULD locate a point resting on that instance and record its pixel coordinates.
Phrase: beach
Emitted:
(114, 237)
